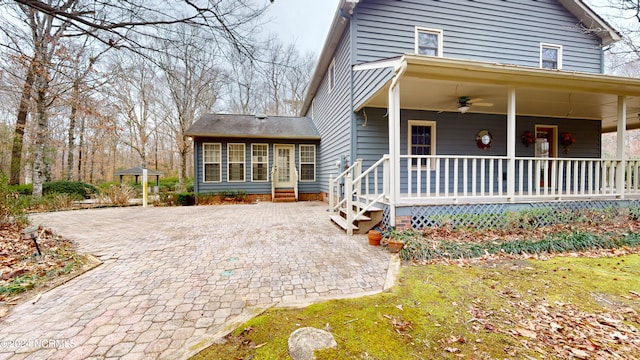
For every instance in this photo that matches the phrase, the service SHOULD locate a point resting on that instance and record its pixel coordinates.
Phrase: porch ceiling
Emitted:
(435, 84)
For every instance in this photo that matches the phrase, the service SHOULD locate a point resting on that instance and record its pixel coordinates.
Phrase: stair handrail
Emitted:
(357, 185)
(295, 182)
(273, 182)
(333, 205)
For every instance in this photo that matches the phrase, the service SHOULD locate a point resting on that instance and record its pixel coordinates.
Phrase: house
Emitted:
(267, 157)
(432, 108)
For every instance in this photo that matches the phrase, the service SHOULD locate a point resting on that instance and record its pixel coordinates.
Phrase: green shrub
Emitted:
(185, 199)
(22, 189)
(166, 184)
(69, 187)
(12, 205)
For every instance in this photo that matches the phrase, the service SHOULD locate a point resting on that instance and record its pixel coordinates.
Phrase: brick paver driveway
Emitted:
(174, 278)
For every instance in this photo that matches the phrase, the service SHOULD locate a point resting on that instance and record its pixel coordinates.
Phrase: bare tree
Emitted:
(134, 92)
(122, 24)
(191, 74)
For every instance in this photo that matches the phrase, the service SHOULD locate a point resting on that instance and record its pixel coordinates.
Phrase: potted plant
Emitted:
(395, 241)
(374, 236)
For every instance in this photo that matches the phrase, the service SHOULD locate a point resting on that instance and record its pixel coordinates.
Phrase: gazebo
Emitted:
(137, 172)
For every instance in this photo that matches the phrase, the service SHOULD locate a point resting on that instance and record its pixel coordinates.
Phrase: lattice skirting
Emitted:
(499, 215)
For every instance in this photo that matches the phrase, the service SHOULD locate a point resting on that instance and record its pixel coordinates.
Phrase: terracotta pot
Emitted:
(374, 237)
(395, 246)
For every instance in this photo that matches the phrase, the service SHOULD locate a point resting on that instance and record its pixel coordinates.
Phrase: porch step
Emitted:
(363, 223)
(342, 222)
(284, 195)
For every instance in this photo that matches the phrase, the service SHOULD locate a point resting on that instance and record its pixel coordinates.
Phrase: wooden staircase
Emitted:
(362, 223)
(284, 195)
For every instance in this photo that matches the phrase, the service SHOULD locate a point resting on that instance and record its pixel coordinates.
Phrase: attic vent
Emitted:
(261, 116)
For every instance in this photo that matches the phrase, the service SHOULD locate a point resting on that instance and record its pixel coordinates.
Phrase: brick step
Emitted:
(284, 195)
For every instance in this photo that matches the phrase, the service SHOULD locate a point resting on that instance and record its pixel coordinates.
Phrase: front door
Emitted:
(285, 159)
(546, 147)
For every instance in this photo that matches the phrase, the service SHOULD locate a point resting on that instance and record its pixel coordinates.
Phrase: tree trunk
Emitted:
(41, 134)
(72, 129)
(80, 145)
(21, 122)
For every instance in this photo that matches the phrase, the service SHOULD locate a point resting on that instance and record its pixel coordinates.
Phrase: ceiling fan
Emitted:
(465, 102)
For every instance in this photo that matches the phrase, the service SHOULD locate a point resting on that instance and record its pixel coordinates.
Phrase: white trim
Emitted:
(432, 146)
(260, 162)
(437, 32)
(378, 64)
(292, 161)
(331, 75)
(558, 48)
(204, 179)
(307, 163)
(555, 140)
(244, 162)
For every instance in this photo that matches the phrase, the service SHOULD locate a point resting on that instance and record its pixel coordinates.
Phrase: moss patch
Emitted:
(492, 309)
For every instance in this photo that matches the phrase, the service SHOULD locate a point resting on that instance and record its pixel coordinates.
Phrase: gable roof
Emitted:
(249, 126)
(578, 8)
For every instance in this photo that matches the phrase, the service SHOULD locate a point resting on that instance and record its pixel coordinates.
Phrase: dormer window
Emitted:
(550, 56)
(428, 42)
(332, 74)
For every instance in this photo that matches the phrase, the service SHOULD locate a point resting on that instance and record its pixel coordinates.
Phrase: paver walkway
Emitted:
(172, 278)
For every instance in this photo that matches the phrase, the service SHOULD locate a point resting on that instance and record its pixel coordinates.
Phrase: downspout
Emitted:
(394, 142)
(352, 114)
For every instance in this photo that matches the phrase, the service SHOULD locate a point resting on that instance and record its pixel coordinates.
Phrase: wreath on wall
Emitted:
(566, 140)
(528, 138)
(484, 139)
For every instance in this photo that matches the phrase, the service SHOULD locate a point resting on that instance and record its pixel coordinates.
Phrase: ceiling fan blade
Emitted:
(485, 104)
(474, 100)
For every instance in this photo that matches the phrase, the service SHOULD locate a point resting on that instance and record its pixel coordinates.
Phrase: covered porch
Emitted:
(510, 93)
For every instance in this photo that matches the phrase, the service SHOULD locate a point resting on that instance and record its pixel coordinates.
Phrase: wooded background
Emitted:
(91, 86)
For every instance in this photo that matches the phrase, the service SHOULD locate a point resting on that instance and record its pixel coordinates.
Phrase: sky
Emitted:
(306, 22)
(303, 22)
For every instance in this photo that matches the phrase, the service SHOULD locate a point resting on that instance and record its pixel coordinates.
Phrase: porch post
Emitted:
(394, 124)
(621, 146)
(394, 142)
(511, 144)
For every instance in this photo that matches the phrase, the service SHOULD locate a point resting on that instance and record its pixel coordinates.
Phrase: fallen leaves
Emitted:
(20, 266)
(565, 331)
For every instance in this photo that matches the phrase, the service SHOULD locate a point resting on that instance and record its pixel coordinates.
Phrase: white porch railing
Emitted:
(295, 183)
(458, 177)
(357, 191)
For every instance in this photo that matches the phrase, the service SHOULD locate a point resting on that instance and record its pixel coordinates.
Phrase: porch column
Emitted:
(394, 142)
(394, 150)
(511, 144)
(621, 145)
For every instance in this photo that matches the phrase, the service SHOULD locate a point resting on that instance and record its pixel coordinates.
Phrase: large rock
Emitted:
(304, 341)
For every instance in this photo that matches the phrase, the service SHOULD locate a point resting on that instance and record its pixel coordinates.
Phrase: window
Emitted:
(550, 56)
(422, 139)
(332, 74)
(307, 163)
(235, 162)
(428, 42)
(211, 162)
(259, 162)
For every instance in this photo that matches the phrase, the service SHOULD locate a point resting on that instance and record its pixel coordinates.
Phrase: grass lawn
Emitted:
(564, 307)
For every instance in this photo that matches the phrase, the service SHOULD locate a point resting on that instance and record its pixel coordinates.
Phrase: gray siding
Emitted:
(248, 186)
(488, 30)
(332, 116)
(368, 82)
